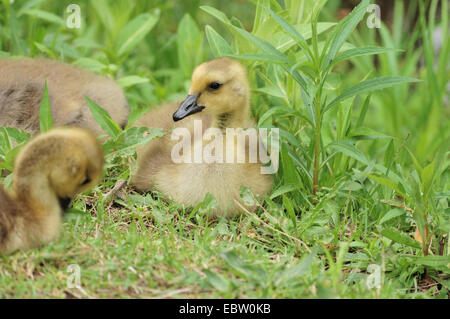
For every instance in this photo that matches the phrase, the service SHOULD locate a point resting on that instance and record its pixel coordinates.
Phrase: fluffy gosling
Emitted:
(49, 171)
(219, 98)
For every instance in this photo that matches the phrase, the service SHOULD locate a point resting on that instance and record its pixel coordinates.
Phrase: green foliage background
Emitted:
(364, 120)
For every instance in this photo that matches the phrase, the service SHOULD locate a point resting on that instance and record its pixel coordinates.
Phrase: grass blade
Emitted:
(45, 112)
(219, 46)
(290, 30)
(135, 31)
(369, 86)
(102, 117)
(399, 237)
(349, 149)
(356, 52)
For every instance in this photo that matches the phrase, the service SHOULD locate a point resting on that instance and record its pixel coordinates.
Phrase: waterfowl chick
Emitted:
(49, 171)
(219, 98)
(22, 85)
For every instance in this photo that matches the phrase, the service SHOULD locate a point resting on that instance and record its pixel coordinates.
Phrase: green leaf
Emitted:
(217, 281)
(135, 31)
(290, 30)
(91, 64)
(302, 269)
(136, 136)
(287, 27)
(259, 57)
(291, 139)
(236, 264)
(415, 161)
(7, 151)
(28, 5)
(45, 112)
(389, 183)
(135, 114)
(349, 149)
(103, 10)
(11, 156)
(44, 49)
(74, 212)
(189, 45)
(427, 177)
(18, 45)
(356, 52)
(392, 214)
(131, 80)
(263, 45)
(102, 117)
(17, 135)
(283, 111)
(399, 237)
(362, 114)
(428, 51)
(435, 261)
(367, 133)
(287, 203)
(5, 142)
(283, 41)
(216, 13)
(343, 29)
(219, 46)
(369, 86)
(285, 189)
(277, 92)
(44, 15)
(389, 155)
(302, 81)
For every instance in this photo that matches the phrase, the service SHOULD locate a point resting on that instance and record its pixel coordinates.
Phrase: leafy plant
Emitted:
(310, 66)
(310, 104)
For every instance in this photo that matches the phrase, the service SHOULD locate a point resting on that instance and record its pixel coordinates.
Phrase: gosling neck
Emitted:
(33, 189)
(232, 119)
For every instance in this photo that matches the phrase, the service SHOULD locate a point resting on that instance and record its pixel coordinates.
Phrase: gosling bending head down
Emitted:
(219, 97)
(49, 171)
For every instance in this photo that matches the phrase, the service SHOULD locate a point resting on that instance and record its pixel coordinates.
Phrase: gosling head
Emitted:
(68, 161)
(219, 86)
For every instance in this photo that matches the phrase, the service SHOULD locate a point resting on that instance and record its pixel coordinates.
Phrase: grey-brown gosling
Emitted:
(49, 171)
(219, 97)
(22, 85)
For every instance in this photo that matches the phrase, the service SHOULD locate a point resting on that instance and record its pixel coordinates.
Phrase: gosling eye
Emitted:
(86, 181)
(215, 86)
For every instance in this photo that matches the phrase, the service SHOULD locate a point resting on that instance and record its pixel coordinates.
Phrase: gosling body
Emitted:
(49, 171)
(22, 84)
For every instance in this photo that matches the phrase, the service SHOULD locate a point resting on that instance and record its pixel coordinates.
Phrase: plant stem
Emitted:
(317, 127)
(317, 105)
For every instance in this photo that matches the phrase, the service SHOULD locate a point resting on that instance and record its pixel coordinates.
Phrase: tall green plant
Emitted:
(309, 62)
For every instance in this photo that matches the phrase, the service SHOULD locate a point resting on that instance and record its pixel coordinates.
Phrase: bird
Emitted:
(218, 99)
(22, 83)
(49, 171)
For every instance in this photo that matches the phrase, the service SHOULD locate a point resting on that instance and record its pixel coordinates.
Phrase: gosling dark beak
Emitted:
(187, 107)
(64, 203)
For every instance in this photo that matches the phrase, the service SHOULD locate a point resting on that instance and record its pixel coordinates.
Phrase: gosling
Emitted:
(49, 171)
(22, 85)
(219, 98)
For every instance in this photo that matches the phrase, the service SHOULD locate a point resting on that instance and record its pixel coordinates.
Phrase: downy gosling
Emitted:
(22, 85)
(219, 98)
(49, 171)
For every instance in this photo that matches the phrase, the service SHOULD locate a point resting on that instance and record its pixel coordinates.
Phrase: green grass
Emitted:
(364, 163)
